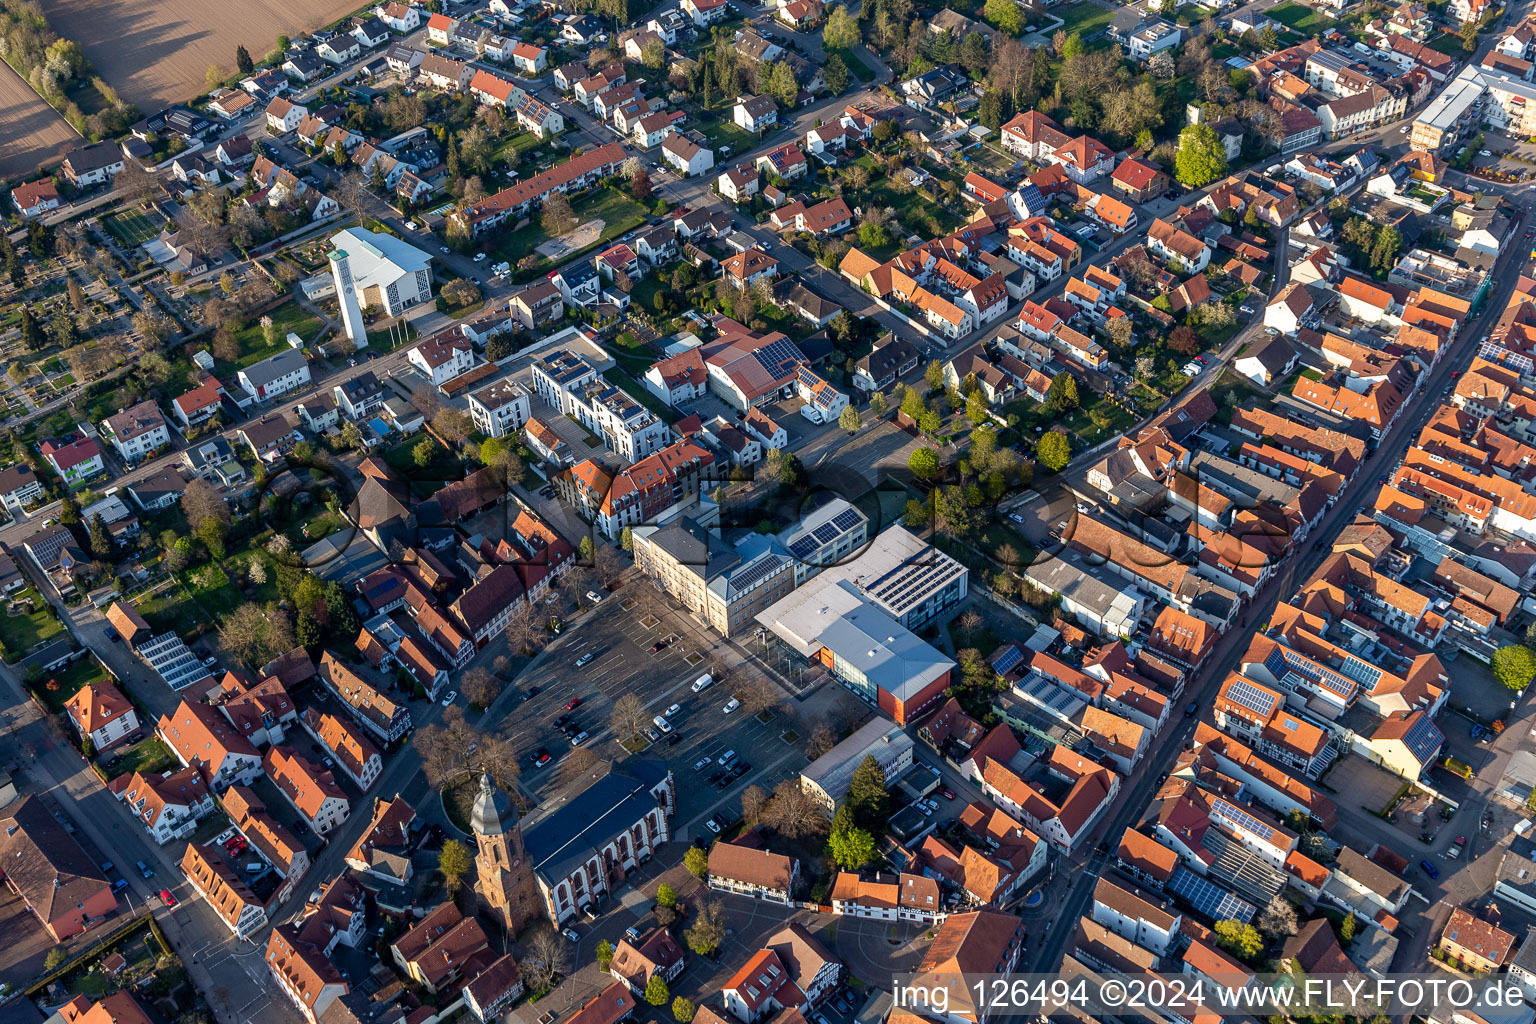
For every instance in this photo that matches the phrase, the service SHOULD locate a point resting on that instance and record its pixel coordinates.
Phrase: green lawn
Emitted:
(290, 316)
(147, 755)
(1448, 44)
(618, 212)
(131, 227)
(856, 67)
(1085, 18)
(21, 633)
(64, 684)
(211, 588)
(1303, 19)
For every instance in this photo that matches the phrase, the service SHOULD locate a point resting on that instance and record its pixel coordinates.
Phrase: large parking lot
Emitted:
(620, 641)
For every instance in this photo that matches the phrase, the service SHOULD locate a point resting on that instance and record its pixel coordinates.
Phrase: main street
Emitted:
(1073, 886)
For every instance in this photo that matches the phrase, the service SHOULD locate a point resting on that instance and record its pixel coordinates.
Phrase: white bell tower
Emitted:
(346, 297)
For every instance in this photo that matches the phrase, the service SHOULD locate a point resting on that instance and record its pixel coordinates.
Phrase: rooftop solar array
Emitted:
(1423, 738)
(916, 580)
(803, 547)
(778, 356)
(756, 572)
(848, 519)
(1209, 899)
(1240, 818)
(1008, 660)
(1260, 702)
(826, 533)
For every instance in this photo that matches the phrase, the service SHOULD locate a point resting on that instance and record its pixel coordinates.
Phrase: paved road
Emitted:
(1359, 493)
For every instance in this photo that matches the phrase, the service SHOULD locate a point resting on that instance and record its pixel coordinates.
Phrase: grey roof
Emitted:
(591, 819)
(493, 811)
(1274, 354)
(695, 548)
(273, 367)
(884, 651)
(888, 358)
(1083, 585)
(879, 737)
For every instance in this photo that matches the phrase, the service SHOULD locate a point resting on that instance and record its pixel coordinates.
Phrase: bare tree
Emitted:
(351, 194)
(794, 813)
(523, 631)
(135, 184)
(449, 750)
(753, 800)
(756, 695)
(1279, 918)
(607, 564)
(577, 763)
(547, 958)
(200, 501)
(480, 686)
(255, 634)
(628, 718)
(822, 739)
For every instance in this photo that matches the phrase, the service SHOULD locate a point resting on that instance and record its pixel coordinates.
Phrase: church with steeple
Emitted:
(569, 860)
(504, 873)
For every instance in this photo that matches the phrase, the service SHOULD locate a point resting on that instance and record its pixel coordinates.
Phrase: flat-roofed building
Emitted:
(827, 778)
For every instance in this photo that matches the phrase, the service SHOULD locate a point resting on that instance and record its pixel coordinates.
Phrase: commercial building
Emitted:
(726, 586)
(827, 778)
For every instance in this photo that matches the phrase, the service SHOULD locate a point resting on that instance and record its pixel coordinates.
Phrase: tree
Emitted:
(782, 85)
(841, 32)
(682, 1010)
(1004, 15)
(656, 991)
(990, 111)
(1061, 396)
(849, 419)
(481, 687)
(697, 863)
(640, 186)
(1514, 665)
(708, 929)
(604, 954)
(878, 404)
(851, 849)
(69, 510)
(924, 463)
(868, 798)
(821, 740)
(1279, 918)
(243, 60)
(1468, 33)
(546, 958)
(556, 216)
(101, 538)
(256, 634)
(1183, 340)
(794, 813)
(424, 452)
(1201, 157)
(1347, 928)
(626, 539)
(1054, 452)
(933, 375)
(453, 748)
(454, 861)
(835, 74)
(1237, 937)
(200, 501)
(1146, 368)
(55, 958)
(628, 718)
(753, 801)
(666, 895)
(31, 331)
(954, 513)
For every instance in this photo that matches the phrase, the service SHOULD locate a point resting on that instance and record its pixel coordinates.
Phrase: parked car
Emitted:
(584, 659)
(167, 898)
(732, 705)
(660, 645)
(712, 825)
(570, 933)
(674, 709)
(594, 596)
(573, 704)
(701, 764)
(1429, 869)
(541, 757)
(579, 738)
(145, 871)
(452, 694)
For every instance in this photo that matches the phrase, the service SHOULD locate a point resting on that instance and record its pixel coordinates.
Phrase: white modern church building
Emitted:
(381, 271)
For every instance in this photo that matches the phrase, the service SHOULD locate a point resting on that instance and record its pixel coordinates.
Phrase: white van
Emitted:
(662, 724)
(702, 682)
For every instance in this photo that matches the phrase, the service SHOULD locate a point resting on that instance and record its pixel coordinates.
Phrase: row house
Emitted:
(311, 789)
(225, 891)
(376, 712)
(575, 175)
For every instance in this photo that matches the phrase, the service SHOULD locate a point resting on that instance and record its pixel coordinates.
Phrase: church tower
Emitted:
(501, 865)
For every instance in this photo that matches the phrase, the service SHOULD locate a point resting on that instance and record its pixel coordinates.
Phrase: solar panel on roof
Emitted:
(1260, 702)
(755, 573)
(803, 547)
(825, 533)
(1423, 737)
(1008, 660)
(847, 519)
(1208, 898)
(1242, 819)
